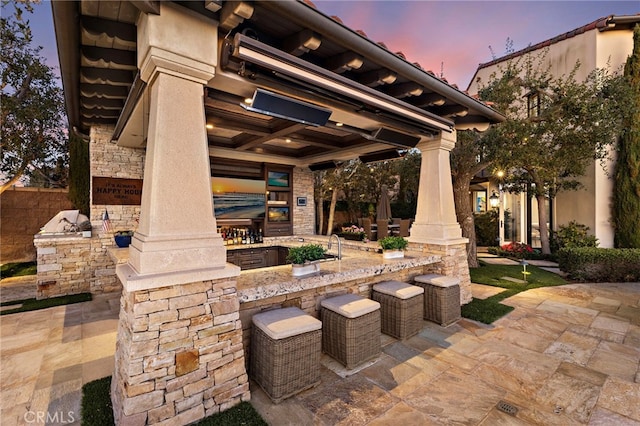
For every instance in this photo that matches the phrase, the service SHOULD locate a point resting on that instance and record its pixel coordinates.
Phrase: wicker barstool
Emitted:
(286, 346)
(351, 329)
(441, 298)
(401, 307)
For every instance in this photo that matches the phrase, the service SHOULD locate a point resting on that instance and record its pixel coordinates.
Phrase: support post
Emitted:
(436, 229)
(179, 353)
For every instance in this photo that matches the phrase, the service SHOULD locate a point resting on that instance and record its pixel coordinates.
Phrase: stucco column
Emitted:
(436, 229)
(179, 354)
(435, 221)
(177, 55)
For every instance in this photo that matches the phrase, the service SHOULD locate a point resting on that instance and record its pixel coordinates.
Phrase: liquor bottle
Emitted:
(244, 237)
(260, 235)
(252, 237)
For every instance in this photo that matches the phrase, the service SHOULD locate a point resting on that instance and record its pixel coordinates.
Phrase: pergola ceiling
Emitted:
(97, 48)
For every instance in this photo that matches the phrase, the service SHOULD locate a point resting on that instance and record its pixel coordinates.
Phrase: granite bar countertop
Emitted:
(359, 260)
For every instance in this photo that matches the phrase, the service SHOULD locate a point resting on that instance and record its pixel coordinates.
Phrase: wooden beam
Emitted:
(119, 59)
(103, 91)
(112, 29)
(234, 13)
(344, 62)
(377, 77)
(403, 90)
(301, 42)
(450, 110)
(281, 132)
(427, 99)
(106, 76)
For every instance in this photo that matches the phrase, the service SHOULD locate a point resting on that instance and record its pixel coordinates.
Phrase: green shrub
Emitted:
(573, 235)
(393, 243)
(305, 253)
(591, 264)
(486, 225)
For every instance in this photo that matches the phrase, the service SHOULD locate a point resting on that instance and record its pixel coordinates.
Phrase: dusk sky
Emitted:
(453, 36)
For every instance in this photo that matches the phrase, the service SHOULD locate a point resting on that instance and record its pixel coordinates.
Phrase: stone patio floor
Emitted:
(566, 355)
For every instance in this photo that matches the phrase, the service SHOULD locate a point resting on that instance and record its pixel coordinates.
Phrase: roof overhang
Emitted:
(378, 100)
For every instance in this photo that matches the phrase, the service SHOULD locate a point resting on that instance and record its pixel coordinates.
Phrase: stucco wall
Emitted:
(23, 212)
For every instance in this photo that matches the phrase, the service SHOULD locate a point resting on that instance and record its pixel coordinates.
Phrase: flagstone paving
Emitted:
(565, 355)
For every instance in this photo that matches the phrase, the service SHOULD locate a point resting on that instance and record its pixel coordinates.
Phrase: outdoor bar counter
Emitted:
(360, 262)
(361, 266)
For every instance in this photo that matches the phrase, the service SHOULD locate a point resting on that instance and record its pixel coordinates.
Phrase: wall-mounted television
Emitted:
(279, 179)
(278, 214)
(235, 198)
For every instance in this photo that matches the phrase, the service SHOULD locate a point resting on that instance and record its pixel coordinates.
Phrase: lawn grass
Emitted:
(21, 269)
(96, 409)
(490, 309)
(34, 304)
(490, 274)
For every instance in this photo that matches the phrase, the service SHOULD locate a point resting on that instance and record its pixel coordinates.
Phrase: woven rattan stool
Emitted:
(401, 308)
(351, 329)
(286, 346)
(441, 298)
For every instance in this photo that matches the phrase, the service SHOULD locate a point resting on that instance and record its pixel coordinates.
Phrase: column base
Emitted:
(438, 234)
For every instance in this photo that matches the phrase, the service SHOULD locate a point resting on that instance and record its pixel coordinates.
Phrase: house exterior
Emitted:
(170, 94)
(603, 43)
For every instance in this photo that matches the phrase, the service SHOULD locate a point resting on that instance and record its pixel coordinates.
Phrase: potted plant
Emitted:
(123, 238)
(303, 259)
(353, 232)
(393, 246)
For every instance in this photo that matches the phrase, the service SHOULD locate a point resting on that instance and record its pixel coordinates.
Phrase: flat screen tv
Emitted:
(235, 198)
(279, 179)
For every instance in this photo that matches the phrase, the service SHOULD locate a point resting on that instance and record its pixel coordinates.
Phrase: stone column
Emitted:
(436, 228)
(179, 354)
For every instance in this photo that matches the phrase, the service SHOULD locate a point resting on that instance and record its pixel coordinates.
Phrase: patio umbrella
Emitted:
(383, 211)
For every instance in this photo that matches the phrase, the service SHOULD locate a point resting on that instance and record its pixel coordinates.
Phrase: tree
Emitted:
(79, 174)
(551, 144)
(407, 169)
(33, 137)
(475, 152)
(626, 196)
(355, 183)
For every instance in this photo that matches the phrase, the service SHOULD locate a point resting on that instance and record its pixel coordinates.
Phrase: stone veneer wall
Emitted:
(179, 354)
(24, 211)
(454, 264)
(309, 300)
(63, 265)
(109, 160)
(304, 217)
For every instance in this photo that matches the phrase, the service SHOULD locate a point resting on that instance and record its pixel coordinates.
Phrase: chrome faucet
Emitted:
(339, 245)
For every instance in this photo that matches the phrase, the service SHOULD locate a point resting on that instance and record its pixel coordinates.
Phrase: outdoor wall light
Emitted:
(494, 200)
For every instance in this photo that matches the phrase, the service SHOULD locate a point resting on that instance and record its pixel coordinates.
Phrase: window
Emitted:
(533, 104)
